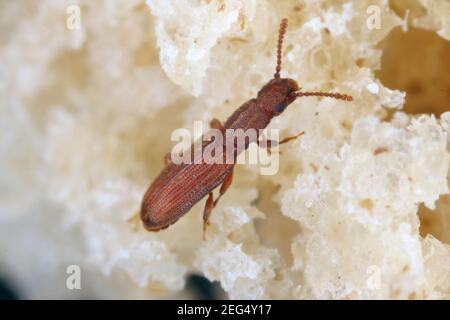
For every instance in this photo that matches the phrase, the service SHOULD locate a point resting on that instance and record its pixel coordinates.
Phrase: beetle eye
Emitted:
(280, 107)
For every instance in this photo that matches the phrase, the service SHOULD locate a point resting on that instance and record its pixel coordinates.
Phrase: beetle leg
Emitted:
(207, 212)
(211, 203)
(269, 144)
(224, 187)
(216, 124)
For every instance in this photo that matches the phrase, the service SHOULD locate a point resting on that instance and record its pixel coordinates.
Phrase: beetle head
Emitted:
(277, 94)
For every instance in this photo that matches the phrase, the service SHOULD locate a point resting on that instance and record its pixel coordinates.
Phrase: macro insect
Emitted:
(180, 186)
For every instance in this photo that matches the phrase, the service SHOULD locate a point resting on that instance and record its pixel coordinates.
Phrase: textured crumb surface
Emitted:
(359, 208)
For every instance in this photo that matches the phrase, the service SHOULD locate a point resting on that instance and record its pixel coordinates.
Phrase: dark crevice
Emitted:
(436, 222)
(417, 63)
(204, 289)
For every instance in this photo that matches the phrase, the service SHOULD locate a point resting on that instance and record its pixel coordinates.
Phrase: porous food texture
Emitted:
(359, 208)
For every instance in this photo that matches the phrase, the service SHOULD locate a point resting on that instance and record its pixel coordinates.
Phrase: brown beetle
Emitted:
(180, 186)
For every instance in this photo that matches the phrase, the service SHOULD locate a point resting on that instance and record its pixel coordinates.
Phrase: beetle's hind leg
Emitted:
(211, 203)
(225, 185)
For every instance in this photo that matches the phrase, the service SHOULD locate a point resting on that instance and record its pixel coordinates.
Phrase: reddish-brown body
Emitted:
(180, 186)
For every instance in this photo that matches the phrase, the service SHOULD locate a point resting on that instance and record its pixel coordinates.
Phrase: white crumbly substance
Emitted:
(86, 117)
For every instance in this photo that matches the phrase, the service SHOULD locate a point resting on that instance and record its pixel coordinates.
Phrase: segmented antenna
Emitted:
(281, 32)
(338, 96)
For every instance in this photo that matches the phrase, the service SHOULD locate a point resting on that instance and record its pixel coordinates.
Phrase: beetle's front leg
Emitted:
(269, 144)
(211, 203)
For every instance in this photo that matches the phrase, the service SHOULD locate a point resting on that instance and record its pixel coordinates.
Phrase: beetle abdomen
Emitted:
(177, 189)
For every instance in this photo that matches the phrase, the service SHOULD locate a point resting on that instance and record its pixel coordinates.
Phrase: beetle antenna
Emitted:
(281, 32)
(339, 96)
